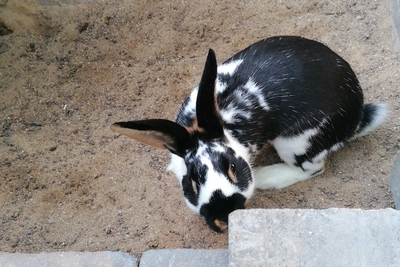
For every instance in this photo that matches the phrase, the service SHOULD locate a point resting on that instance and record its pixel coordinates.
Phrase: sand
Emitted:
(67, 72)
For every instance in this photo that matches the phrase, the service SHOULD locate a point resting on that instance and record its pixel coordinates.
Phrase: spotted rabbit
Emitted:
(292, 92)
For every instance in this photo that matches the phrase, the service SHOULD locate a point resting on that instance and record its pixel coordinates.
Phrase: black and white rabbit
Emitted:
(293, 92)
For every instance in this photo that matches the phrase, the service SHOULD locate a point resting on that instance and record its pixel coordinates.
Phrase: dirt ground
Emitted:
(67, 72)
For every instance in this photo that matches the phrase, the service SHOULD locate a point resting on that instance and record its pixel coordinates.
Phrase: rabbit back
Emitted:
(286, 90)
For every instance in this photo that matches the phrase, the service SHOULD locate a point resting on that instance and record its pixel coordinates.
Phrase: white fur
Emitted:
(218, 147)
(320, 156)
(288, 147)
(232, 114)
(245, 100)
(178, 167)
(310, 167)
(229, 68)
(218, 180)
(245, 154)
(192, 207)
(201, 150)
(239, 148)
(191, 106)
(336, 147)
(248, 193)
(220, 86)
(252, 87)
(214, 181)
(281, 175)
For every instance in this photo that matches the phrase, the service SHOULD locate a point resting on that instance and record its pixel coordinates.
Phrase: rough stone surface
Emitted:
(395, 12)
(63, 2)
(332, 237)
(395, 181)
(185, 257)
(68, 259)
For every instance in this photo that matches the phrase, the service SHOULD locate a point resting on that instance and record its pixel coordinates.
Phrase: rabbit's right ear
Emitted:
(163, 134)
(207, 112)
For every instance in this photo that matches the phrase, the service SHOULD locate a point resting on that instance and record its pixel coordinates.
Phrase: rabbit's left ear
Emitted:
(207, 112)
(163, 134)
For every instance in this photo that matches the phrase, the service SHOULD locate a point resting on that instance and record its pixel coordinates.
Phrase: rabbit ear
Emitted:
(163, 134)
(206, 107)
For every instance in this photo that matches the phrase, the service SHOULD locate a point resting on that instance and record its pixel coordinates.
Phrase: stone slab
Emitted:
(63, 2)
(68, 259)
(332, 237)
(185, 257)
(395, 181)
(394, 6)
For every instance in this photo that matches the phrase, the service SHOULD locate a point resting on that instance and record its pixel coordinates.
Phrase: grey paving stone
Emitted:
(62, 2)
(394, 6)
(332, 237)
(185, 258)
(64, 259)
(395, 181)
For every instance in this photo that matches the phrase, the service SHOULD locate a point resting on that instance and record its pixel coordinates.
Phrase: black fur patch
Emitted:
(304, 83)
(197, 173)
(219, 208)
(243, 172)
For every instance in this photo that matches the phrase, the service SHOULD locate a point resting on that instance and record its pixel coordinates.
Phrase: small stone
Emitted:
(347, 178)
(32, 47)
(14, 244)
(107, 20)
(83, 27)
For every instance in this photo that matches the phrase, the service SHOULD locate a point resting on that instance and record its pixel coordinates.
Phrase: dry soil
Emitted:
(67, 72)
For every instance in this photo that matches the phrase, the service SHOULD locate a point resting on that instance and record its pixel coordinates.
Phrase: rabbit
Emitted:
(291, 92)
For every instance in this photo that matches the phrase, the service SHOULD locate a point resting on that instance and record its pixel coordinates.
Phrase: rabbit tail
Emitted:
(373, 116)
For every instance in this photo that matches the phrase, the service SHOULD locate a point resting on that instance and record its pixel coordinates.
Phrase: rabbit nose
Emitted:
(221, 225)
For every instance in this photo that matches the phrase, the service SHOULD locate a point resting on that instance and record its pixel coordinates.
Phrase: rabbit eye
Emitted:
(232, 172)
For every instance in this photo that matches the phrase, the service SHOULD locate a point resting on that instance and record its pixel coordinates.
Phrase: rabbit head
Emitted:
(211, 165)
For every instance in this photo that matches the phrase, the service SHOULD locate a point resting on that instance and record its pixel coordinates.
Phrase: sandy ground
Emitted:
(67, 72)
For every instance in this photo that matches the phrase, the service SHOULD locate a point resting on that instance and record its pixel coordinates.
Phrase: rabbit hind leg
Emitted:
(281, 175)
(302, 160)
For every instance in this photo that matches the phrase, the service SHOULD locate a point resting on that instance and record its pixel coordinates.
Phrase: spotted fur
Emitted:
(292, 92)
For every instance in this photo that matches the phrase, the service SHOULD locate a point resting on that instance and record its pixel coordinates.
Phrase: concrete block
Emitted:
(395, 181)
(68, 259)
(63, 2)
(332, 237)
(185, 257)
(394, 6)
